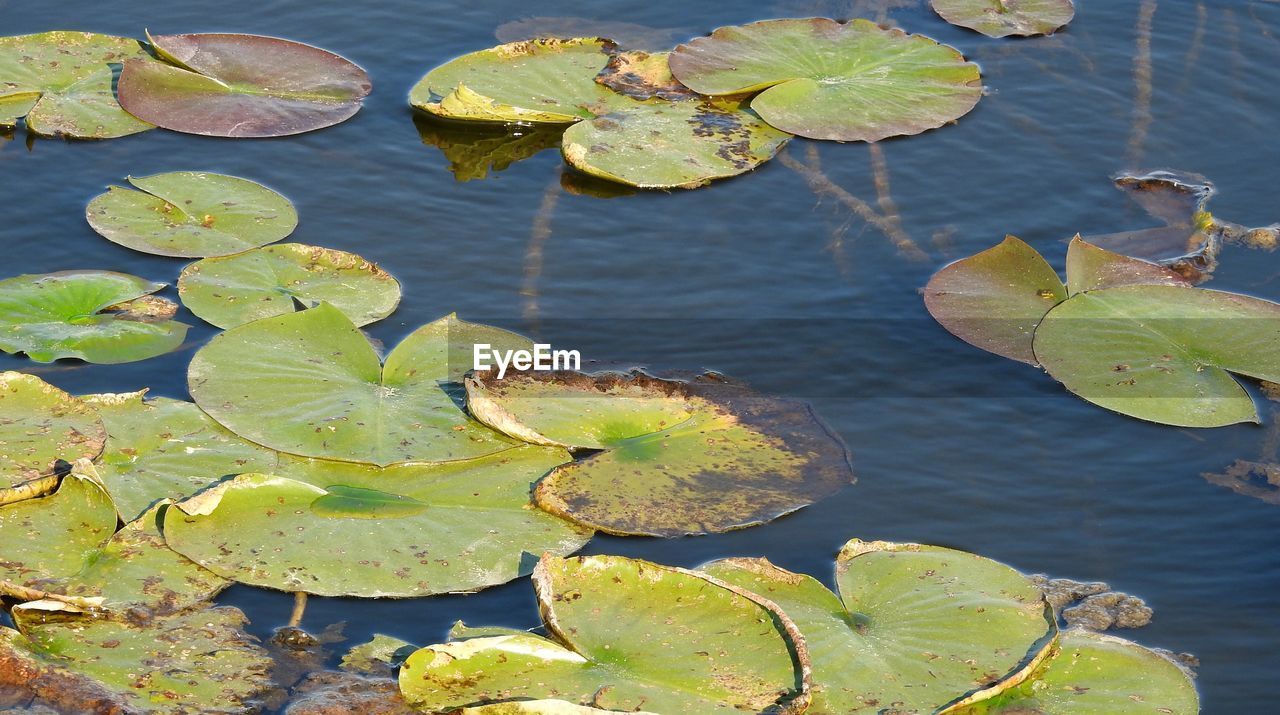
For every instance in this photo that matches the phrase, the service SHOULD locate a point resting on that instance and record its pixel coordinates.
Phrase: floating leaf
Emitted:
(1163, 353)
(270, 281)
(413, 530)
(39, 425)
(827, 80)
(994, 300)
(195, 662)
(538, 707)
(342, 402)
(629, 635)
(233, 85)
(62, 83)
(191, 214)
(641, 75)
(1187, 241)
(167, 449)
(627, 34)
(1001, 18)
(1094, 674)
(97, 316)
(679, 458)
(476, 150)
(461, 631)
(672, 144)
(1091, 268)
(914, 628)
(53, 536)
(546, 81)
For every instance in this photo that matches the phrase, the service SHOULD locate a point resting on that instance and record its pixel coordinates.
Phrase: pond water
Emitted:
(790, 290)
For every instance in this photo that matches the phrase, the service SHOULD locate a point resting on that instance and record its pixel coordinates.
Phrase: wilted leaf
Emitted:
(1001, 18)
(827, 80)
(678, 457)
(476, 150)
(86, 315)
(191, 214)
(233, 85)
(39, 425)
(642, 76)
(53, 536)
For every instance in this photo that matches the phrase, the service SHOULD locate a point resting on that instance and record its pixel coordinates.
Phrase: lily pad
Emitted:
(914, 628)
(271, 281)
(377, 655)
(476, 150)
(62, 83)
(678, 457)
(643, 75)
(191, 214)
(547, 81)
(194, 662)
(1090, 267)
(1092, 674)
(52, 536)
(166, 449)
(406, 531)
(97, 316)
(343, 402)
(39, 425)
(1002, 18)
(539, 707)
(1163, 353)
(234, 85)
(667, 145)
(628, 635)
(822, 79)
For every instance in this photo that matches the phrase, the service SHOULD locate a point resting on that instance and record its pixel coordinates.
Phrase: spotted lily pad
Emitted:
(39, 425)
(538, 707)
(627, 635)
(914, 628)
(194, 662)
(643, 75)
(541, 81)
(474, 151)
(407, 531)
(271, 281)
(1093, 674)
(1163, 353)
(664, 145)
(828, 80)
(234, 85)
(678, 457)
(97, 316)
(191, 214)
(1002, 18)
(342, 402)
(167, 449)
(62, 83)
(52, 536)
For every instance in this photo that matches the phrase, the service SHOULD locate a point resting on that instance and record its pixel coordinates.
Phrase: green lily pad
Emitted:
(678, 457)
(1090, 267)
(1094, 674)
(822, 79)
(167, 449)
(62, 83)
(1163, 353)
(378, 654)
(97, 316)
(666, 145)
(539, 707)
(194, 662)
(234, 85)
(474, 151)
(461, 631)
(628, 635)
(53, 536)
(1002, 18)
(343, 403)
(39, 425)
(914, 628)
(407, 531)
(191, 214)
(269, 281)
(642, 76)
(542, 81)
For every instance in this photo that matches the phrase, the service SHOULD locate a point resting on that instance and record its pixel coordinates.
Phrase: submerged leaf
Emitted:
(234, 85)
(1002, 18)
(191, 214)
(39, 425)
(678, 458)
(377, 655)
(62, 83)
(406, 531)
(53, 536)
(476, 150)
(84, 314)
(628, 635)
(343, 402)
(828, 80)
(917, 627)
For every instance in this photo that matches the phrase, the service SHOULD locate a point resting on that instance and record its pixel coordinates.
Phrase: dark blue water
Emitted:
(793, 292)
